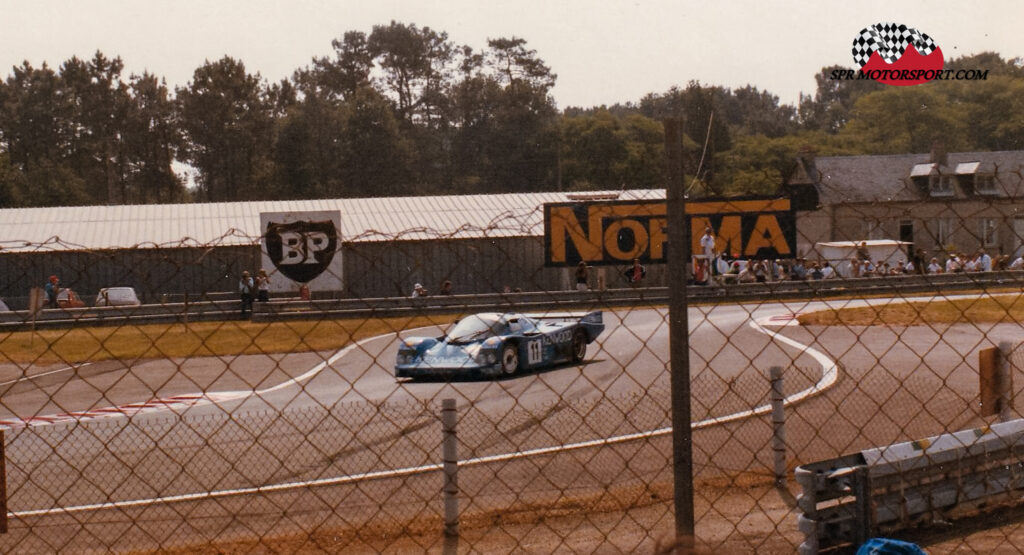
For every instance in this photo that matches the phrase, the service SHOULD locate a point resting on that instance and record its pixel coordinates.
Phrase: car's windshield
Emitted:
(475, 328)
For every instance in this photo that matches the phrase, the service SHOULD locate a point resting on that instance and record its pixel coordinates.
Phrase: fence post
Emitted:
(679, 336)
(1005, 381)
(778, 426)
(3, 482)
(450, 457)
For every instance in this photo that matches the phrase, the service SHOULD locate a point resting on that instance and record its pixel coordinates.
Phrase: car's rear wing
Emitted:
(595, 317)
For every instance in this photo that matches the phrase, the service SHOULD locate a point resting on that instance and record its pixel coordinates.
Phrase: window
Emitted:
(907, 231)
(988, 232)
(941, 185)
(873, 229)
(943, 232)
(985, 183)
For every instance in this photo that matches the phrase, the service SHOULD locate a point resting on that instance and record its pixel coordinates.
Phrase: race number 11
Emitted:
(533, 352)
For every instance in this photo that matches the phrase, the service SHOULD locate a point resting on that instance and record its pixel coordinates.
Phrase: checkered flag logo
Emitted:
(890, 40)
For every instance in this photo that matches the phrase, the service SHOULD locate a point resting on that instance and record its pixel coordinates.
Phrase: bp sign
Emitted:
(302, 248)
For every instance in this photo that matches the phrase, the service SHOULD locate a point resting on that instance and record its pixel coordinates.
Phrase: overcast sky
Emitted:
(602, 51)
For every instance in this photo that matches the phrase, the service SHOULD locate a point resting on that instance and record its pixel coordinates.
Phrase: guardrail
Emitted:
(847, 500)
(286, 309)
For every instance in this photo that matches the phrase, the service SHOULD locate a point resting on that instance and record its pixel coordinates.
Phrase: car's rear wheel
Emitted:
(510, 359)
(579, 345)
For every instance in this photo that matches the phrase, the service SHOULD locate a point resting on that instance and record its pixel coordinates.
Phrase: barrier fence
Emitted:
(187, 427)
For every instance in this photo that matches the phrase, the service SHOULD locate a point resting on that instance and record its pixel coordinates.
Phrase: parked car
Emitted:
(117, 296)
(67, 298)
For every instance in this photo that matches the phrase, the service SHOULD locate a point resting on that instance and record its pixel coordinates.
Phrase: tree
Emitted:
(151, 140)
(99, 102)
(226, 117)
(375, 157)
(907, 119)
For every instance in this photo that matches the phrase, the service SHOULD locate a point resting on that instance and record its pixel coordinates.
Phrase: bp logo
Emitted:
(895, 54)
(301, 250)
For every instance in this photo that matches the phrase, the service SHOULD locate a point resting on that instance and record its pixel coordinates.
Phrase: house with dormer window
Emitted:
(940, 202)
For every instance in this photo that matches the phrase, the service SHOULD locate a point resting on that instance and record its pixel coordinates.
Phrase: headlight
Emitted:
(486, 357)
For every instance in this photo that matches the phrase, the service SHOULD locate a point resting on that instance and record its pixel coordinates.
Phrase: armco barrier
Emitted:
(396, 306)
(849, 499)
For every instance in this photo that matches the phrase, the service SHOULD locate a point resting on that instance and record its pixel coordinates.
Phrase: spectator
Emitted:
(707, 245)
(761, 271)
(52, 289)
(1017, 264)
(984, 261)
(746, 274)
(971, 264)
(917, 263)
(815, 272)
(901, 268)
(827, 271)
(246, 288)
(262, 286)
(419, 291)
(799, 271)
(862, 251)
(855, 267)
(636, 272)
(446, 288)
(952, 264)
(934, 267)
(582, 276)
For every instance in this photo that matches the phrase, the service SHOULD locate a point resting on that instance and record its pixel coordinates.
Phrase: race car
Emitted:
(493, 344)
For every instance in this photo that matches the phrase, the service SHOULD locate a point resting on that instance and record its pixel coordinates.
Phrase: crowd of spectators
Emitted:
(725, 269)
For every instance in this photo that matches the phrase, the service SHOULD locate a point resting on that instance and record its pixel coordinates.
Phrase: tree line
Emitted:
(402, 110)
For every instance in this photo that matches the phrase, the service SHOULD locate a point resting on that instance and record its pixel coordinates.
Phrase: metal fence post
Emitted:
(861, 487)
(778, 426)
(1005, 381)
(3, 482)
(679, 340)
(450, 457)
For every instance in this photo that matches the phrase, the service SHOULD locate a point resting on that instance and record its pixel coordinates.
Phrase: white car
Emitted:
(117, 296)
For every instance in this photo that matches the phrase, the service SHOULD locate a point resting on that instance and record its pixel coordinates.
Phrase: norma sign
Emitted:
(616, 232)
(302, 248)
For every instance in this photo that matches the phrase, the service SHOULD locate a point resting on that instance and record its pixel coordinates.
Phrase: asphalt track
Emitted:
(728, 342)
(631, 355)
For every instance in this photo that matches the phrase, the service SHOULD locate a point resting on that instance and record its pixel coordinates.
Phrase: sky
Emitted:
(604, 52)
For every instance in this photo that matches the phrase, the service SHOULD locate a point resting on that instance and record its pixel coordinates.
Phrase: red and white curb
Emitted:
(176, 403)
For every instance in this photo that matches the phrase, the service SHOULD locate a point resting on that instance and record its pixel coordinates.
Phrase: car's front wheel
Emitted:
(510, 359)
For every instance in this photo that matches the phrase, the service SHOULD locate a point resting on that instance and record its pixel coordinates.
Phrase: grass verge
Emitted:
(228, 338)
(1001, 309)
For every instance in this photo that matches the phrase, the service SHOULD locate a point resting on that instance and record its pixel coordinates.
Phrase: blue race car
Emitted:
(493, 344)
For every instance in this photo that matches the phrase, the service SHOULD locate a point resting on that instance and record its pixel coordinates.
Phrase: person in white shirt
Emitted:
(1017, 264)
(984, 261)
(934, 267)
(952, 264)
(827, 271)
(707, 247)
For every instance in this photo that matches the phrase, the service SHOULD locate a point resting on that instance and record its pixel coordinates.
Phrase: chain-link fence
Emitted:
(312, 421)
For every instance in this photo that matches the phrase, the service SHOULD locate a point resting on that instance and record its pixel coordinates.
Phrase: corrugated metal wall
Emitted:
(152, 272)
(372, 269)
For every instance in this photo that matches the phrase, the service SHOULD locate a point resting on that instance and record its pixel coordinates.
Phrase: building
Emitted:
(481, 243)
(962, 201)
